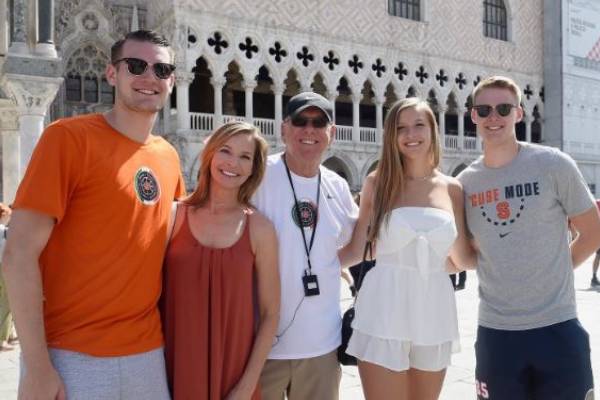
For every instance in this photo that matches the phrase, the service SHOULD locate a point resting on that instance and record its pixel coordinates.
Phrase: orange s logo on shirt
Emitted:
(503, 210)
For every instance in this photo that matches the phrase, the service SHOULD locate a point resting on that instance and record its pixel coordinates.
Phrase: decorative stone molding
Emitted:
(32, 94)
(90, 22)
(19, 17)
(9, 120)
(183, 78)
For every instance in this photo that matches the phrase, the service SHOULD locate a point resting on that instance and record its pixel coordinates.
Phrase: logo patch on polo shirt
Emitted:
(146, 185)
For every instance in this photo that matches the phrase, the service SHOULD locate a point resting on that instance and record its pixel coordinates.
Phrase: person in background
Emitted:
(595, 282)
(6, 322)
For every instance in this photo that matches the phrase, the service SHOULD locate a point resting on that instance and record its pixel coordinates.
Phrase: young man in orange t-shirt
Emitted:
(87, 238)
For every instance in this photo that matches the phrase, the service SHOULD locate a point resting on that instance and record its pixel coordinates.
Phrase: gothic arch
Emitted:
(90, 25)
(347, 166)
(369, 165)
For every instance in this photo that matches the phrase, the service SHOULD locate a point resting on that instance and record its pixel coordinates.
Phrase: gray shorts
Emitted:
(138, 376)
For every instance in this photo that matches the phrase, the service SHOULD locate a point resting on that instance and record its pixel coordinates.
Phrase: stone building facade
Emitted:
(243, 59)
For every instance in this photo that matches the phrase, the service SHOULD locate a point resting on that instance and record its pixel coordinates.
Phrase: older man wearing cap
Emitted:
(314, 214)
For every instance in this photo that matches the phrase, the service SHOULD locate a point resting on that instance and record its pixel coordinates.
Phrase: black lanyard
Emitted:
(307, 248)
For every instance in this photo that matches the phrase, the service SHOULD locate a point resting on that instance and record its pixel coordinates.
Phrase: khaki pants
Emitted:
(316, 378)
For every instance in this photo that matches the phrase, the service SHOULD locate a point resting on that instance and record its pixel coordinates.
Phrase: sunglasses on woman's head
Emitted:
(484, 110)
(137, 67)
(300, 121)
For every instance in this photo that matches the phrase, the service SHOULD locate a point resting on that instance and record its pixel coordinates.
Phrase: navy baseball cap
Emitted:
(302, 101)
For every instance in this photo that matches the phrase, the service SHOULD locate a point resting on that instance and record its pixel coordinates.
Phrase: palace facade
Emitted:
(243, 59)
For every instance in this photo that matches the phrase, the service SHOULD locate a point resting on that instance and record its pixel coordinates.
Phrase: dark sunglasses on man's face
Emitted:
(137, 67)
(300, 121)
(484, 110)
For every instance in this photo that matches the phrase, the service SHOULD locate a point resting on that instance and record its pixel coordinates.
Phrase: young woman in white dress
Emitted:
(405, 324)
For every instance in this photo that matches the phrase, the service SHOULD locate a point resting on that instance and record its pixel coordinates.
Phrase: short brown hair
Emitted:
(497, 81)
(199, 197)
(140, 36)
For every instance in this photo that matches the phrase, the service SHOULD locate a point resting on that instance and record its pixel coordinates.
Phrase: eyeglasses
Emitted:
(484, 110)
(300, 121)
(137, 67)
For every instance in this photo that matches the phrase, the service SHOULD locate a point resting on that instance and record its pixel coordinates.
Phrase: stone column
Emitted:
(218, 83)
(332, 96)
(166, 118)
(18, 28)
(249, 87)
(184, 79)
(278, 90)
(33, 95)
(461, 127)
(379, 100)
(4, 27)
(305, 87)
(528, 121)
(356, 116)
(442, 125)
(11, 166)
(45, 42)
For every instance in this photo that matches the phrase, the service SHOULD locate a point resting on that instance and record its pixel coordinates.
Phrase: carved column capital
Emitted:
(32, 94)
(249, 84)
(278, 88)
(183, 78)
(218, 81)
(356, 97)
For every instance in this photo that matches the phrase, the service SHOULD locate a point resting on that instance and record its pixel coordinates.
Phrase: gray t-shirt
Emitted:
(518, 215)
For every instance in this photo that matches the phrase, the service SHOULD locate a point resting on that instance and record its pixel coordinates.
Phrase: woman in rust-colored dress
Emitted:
(220, 300)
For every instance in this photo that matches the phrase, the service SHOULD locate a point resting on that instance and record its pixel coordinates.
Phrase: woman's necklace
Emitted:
(421, 178)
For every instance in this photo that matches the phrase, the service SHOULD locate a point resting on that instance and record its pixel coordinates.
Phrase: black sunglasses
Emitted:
(300, 121)
(137, 67)
(484, 110)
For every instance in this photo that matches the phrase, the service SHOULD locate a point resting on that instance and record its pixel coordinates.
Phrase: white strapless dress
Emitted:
(407, 296)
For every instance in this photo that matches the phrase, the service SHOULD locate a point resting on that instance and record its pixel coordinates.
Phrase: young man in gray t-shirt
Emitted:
(518, 197)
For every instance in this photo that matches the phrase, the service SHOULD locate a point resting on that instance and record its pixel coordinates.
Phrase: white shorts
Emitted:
(399, 355)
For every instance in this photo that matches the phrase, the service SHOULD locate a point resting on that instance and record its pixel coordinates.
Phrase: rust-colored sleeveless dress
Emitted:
(208, 314)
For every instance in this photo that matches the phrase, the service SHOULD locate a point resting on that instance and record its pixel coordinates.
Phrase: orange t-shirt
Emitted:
(101, 268)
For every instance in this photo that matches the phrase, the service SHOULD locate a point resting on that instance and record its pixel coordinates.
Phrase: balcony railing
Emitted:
(368, 135)
(266, 126)
(470, 143)
(201, 121)
(205, 122)
(229, 118)
(343, 133)
(451, 142)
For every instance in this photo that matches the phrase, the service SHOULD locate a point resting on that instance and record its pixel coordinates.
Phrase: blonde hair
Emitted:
(501, 82)
(200, 195)
(389, 174)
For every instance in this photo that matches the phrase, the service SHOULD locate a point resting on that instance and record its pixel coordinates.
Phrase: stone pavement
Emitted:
(459, 383)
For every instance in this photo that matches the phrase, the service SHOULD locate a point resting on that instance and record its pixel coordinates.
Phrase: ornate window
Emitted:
(495, 19)
(410, 9)
(85, 82)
